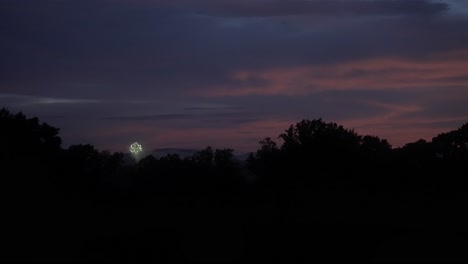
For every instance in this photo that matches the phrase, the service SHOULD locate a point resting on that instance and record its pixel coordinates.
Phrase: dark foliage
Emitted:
(325, 192)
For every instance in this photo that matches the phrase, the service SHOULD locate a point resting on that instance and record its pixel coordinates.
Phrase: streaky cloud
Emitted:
(440, 70)
(150, 117)
(203, 107)
(277, 8)
(18, 99)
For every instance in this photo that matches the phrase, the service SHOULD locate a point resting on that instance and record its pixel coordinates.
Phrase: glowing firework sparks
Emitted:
(135, 148)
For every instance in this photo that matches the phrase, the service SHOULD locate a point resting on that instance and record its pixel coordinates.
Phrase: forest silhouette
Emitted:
(324, 192)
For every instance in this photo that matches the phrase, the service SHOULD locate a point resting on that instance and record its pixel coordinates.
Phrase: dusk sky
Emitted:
(227, 73)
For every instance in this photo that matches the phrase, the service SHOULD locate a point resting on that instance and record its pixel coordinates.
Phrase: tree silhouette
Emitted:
(318, 135)
(223, 159)
(372, 145)
(330, 148)
(204, 158)
(28, 153)
(267, 147)
(453, 144)
(323, 189)
(22, 137)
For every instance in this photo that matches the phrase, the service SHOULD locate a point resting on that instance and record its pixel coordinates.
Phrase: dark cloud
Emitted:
(82, 47)
(269, 8)
(208, 107)
(151, 117)
(25, 100)
(204, 120)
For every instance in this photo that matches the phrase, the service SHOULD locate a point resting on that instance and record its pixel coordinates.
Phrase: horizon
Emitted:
(185, 74)
(236, 152)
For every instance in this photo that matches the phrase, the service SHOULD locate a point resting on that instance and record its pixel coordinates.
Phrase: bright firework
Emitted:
(135, 148)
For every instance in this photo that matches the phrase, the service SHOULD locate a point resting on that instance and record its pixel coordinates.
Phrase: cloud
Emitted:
(458, 6)
(441, 70)
(203, 119)
(401, 129)
(135, 51)
(272, 8)
(24, 100)
(151, 117)
(210, 107)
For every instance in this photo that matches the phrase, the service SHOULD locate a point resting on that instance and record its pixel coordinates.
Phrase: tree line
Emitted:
(324, 189)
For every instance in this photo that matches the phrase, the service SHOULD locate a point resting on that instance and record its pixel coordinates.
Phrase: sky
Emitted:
(227, 73)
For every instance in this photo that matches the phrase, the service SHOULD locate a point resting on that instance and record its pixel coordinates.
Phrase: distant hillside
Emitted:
(183, 153)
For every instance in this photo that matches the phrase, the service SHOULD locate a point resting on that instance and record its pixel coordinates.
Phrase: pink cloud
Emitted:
(401, 130)
(440, 70)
